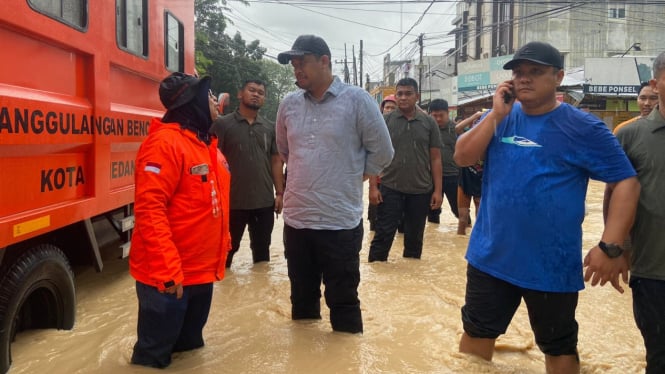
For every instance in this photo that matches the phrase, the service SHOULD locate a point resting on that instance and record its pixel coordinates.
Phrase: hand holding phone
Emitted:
(507, 97)
(503, 100)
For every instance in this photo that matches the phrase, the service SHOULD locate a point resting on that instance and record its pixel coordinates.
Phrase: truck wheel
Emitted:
(36, 291)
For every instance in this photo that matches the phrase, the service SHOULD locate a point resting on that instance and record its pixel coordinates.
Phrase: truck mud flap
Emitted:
(94, 246)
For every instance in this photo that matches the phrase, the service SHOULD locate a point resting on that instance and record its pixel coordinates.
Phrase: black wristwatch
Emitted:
(611, 250)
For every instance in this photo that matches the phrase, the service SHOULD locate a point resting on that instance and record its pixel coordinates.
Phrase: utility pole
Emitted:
(361, 62)
(420, 69)
(346, 67)
(355, 72)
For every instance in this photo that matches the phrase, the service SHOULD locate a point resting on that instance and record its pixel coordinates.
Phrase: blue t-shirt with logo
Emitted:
(537, 168)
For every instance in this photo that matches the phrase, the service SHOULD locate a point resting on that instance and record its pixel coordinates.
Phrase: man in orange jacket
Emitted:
(181, 240)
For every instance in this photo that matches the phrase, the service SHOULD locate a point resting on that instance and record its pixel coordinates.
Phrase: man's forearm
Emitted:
(373, 182)
(437, 176)
(472, 145)
(277, 173)
(621, 209)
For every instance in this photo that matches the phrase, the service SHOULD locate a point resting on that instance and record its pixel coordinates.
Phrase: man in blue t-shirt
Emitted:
(527, 243)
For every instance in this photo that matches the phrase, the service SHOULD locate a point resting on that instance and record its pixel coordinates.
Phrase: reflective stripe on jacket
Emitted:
(182, 209)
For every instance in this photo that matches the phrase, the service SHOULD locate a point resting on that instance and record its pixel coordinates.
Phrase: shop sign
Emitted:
(611, 89)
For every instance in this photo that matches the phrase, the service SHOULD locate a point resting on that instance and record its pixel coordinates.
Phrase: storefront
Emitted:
(612, 85)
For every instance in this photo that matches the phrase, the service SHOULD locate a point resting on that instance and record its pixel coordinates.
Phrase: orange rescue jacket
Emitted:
(182, 209)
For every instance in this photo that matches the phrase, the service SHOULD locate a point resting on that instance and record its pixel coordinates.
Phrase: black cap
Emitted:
(538, 52)
(179, 89)
(305, 44)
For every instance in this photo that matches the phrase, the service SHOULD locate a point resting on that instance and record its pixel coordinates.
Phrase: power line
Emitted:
(408, 31)
(434, 38)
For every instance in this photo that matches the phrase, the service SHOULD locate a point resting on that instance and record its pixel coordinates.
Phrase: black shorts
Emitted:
(471, 181)
(491, 303)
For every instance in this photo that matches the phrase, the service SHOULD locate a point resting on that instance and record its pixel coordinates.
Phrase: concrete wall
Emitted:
(578, 31)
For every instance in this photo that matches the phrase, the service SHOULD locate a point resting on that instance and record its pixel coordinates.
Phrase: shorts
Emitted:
(471, 181)
(491, 303)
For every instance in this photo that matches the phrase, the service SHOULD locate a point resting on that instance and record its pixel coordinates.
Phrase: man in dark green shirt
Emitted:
(643, 143)
(411, 185)
(247, 140)
(438, 109)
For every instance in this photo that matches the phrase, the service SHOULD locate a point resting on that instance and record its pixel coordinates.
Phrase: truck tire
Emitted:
(36, 291)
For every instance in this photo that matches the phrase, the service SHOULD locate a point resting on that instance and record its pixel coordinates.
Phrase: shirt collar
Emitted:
(419, 115)
(240, 118)
(333, 90)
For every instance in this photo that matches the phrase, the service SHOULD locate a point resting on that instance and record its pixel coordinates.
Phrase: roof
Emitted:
(473, 97)
(574, 77)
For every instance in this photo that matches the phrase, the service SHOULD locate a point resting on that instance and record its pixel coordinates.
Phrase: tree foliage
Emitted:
(279, 81)
(231, 60)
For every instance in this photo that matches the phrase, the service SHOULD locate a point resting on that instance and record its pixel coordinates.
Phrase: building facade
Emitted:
(487, 32)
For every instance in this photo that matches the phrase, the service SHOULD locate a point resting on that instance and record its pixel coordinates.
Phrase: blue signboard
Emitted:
(496, 63)
(473, 82)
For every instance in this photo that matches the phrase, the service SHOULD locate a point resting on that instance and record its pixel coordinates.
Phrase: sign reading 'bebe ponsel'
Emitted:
(611, 89)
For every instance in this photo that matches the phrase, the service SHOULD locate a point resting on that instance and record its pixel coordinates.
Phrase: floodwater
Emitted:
(411, 311)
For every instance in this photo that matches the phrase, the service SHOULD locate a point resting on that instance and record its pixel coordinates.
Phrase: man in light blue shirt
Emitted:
(332, 136)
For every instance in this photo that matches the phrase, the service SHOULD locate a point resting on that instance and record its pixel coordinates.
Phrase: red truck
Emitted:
(78, 85)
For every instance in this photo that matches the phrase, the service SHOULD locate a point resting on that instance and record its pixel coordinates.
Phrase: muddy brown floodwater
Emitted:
(411, 310)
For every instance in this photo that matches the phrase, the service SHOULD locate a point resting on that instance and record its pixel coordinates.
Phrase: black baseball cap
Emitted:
(538, 52)
(179, 89)
(305, 44)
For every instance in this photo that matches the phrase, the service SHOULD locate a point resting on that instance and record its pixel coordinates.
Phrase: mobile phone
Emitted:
(507, 97)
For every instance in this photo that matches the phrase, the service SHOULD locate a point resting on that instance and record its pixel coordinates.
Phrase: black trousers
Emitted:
(449, 189)
(331, 256)
(414, 209)
(371, 215)
(648, 310)
(260, 223)
(167, 324)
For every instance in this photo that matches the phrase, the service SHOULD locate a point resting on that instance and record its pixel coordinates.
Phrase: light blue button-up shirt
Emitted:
(328, 145)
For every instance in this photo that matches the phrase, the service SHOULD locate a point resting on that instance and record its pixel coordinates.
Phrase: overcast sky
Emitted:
(380, 24)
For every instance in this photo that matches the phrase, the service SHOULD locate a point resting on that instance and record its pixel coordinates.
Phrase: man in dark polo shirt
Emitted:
(438, 109)
(248, 142)
(411, 185)
(643, 143)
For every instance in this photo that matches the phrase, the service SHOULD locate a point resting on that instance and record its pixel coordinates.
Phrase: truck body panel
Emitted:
(78, 87)
(74, 107)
